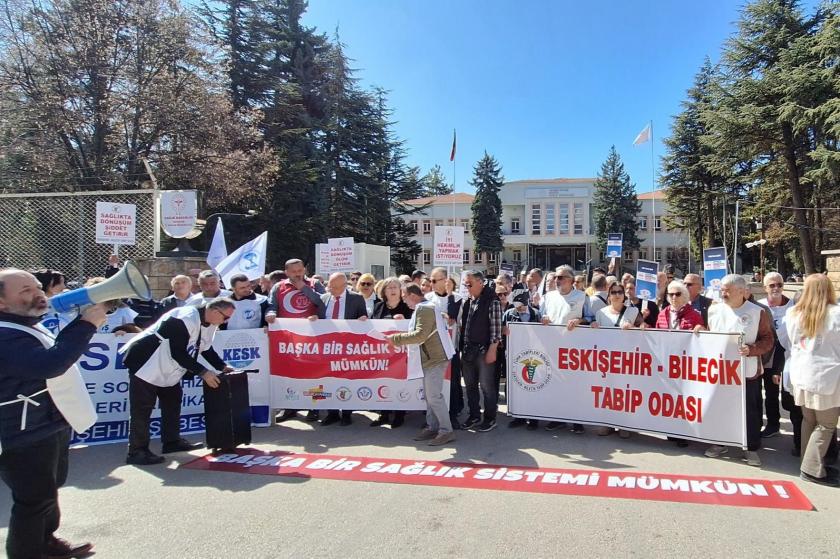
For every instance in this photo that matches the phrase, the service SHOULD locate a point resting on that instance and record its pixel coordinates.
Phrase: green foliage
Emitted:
(487, 206)
(616, 204)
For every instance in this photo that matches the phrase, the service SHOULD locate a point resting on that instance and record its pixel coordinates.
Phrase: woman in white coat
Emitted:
(813, 327)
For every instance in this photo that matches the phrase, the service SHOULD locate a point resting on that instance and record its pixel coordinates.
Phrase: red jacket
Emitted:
(687, 318)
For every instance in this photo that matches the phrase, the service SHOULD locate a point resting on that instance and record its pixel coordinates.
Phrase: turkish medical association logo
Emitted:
(535, 371)
(343, 393)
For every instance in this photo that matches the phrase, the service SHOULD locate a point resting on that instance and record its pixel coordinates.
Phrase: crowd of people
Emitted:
(790, 350)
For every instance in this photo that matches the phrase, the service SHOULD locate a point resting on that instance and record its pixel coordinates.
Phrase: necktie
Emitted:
(335, 307)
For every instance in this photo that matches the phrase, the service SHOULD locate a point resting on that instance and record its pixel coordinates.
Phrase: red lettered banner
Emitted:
(342, 364)
(709, 490)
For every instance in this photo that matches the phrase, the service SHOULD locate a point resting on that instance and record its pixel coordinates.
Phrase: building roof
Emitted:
(454, 198)
(551, 181)
(655, 195)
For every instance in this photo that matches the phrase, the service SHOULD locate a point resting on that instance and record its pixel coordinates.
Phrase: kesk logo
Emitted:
(343, 393)
(364, 393)
(240, 350)
(317, 393)
(535, 372)
(249, 261)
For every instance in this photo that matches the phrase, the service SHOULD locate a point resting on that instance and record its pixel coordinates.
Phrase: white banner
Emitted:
(116, 224)
(106, 379)
(342, 364)
(671, 382)
(178, 212)
(449, 246)
(341, 254)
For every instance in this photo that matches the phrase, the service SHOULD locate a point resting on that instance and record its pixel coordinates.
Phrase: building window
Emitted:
(669, 255)
(657, 223)
(413, 225)
(427, 256)
(536, 226)
(517, 256)
(477, 258)
(427, 227)
(628, 256)
(514, 226)
(549, 219)
(466, 257)
(657, 254)
(643, 254)
(578, 216)
(438, 223)
(491, 257)
(465, 223)
(684, 254)
(564, 219)
(643, 224)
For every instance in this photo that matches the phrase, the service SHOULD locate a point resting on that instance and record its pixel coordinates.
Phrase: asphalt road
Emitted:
(161, 511)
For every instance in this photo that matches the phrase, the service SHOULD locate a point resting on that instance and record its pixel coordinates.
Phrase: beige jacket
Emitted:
(424, 334)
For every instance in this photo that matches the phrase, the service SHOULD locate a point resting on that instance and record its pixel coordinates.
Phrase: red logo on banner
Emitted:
(708, 490)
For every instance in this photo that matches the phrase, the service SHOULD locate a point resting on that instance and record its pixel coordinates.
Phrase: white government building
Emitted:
(547, 223)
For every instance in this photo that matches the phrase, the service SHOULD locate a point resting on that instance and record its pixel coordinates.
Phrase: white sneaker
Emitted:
(716, 450)
(751, 458)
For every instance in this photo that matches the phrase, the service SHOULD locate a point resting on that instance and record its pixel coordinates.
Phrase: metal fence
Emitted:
(58, 231)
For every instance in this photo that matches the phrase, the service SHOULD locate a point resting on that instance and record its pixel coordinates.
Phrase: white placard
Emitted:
(178, 212)
(341, 254)
(115, 223)
(449, 245)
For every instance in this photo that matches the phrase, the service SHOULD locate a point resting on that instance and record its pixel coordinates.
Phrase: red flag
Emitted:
(452, 154)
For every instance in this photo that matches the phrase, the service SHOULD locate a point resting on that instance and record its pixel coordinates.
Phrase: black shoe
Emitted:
(399, 419)
(832, 471)
(57, 548)
(332, 417)
(181, 445)
(220, 451)
(285, 416)
(769, 431)
(795, 452)
(533, 424)
(345, 420)
(829, 481)
(554, 425)
(517, 422)
(379, 422)
(577, 428)
(488, 425)
(456, 425)
(313, 415)
(470, 423)
(143, 458)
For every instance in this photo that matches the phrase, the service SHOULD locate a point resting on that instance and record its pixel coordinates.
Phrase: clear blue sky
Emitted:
(545, 86)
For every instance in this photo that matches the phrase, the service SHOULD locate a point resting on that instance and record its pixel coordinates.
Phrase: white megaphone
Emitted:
(128, 282)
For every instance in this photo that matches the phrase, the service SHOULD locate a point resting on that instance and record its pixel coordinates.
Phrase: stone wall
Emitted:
(161, 270)
(832, 266)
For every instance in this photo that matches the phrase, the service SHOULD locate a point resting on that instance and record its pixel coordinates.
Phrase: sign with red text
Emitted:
(115, 223)
(342, 364)
(178, 212)
(676, 383)
(708, 490)
(341, 255)
(449, 246)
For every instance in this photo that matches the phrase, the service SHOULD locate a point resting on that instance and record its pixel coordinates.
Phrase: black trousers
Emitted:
(141, 397)
(34, 473)
(456, 392)
(753, 410)
(795, 418)
(771, 389)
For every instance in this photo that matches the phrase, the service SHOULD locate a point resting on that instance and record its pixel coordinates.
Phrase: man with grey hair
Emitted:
(157, 360)
(211, 288)
(778, 304)
(479, 333)
(694, 284)
(738, 315)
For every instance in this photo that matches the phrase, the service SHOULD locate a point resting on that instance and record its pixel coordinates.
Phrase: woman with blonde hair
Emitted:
(365, 287)
(813, 328)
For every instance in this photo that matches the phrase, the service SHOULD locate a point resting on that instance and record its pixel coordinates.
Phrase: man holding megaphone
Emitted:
(157, 360)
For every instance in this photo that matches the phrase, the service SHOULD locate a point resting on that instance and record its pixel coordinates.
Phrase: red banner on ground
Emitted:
(709, 490)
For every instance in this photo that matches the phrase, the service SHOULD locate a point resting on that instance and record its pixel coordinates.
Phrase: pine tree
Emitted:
(435, 183)
(616, 204)
(487, 206)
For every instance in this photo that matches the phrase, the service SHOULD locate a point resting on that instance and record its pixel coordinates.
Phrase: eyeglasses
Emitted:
(365, 283)
(675, 294)
(561, 278)
(779, 285)
(227, 316)
(616, 293)
(468, 285)
(688, 284)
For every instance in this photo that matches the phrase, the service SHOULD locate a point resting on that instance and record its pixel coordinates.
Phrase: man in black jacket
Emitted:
(33, 462)
(157, 360)
(700, 302)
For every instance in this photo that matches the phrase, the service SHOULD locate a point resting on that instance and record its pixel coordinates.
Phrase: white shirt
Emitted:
(441, 302)
(198, 299)
(369, 302)
(598, 301)
(341, 302)
(121, 316)
(606, 317)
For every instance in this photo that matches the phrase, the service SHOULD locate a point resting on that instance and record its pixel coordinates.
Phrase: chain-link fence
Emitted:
(58, 231)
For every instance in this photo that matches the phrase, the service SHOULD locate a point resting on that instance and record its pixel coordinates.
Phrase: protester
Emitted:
(813, 328)
(181, 293)
(503, 294)
(425, 286)
(427, 331)
(341, 304)
(567, 307)
(211, 288)
(34, 429)
(417, 277)
(625, 278)
(391, 305)
(318, 284)
(598, 299)
(534, 283)
(53, 284)
(738, 315)
(778, 304)
(452, 285)
(520, 312)
(250, 307)
(293, 297)
(120, 318)
(354, 280)
(662, 282)
(405, 279)
(701, 303)
(448, 303)
(650, 312)
(365, 288)
(113, 266)
(580, 282)
(479, 334)
(157, 360)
